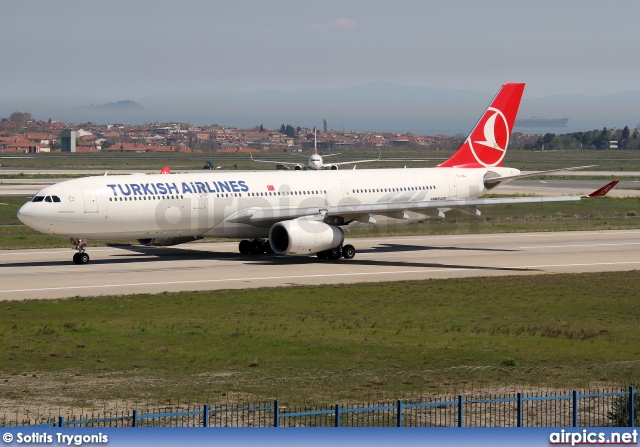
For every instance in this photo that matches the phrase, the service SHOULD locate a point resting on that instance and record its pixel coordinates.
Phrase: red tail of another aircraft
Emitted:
(486, 146)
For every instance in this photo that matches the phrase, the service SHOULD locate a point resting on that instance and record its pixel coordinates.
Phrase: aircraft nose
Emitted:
(26, 216)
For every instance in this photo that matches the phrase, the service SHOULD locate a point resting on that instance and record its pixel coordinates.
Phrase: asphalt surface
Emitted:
(42, 274)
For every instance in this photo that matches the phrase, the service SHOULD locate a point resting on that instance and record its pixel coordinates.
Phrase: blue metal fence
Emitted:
(576, 409)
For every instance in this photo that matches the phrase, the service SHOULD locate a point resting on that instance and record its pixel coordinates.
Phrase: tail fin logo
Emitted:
(489, 142)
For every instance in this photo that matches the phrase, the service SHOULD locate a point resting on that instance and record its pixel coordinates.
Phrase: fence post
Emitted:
(205, 416)
(519, 409)
(460, 410)
(399, 413)
(575, 408)
(276, 414)
(134, 422)
(337, 419)
(60, 421)
(632, 409)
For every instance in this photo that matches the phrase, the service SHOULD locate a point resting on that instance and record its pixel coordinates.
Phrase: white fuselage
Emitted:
(204, 204)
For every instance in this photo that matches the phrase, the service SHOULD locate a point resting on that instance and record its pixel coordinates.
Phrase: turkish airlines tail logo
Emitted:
(487, 144)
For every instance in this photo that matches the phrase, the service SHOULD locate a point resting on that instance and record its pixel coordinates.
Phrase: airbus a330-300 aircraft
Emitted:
(286, 212)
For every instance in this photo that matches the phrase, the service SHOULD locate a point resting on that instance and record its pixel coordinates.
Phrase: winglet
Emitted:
(604, 190)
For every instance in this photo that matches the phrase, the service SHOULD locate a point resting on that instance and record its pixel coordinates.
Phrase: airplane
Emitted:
(315, 160)
(285, 213)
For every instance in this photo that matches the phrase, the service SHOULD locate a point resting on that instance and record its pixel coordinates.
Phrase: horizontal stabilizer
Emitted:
(492, 179)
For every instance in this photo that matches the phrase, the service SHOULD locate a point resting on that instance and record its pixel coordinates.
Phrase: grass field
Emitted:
(606, 160)
(323, 344)
(333, 343)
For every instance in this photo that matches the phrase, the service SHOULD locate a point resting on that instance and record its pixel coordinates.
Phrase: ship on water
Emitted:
(536, 121)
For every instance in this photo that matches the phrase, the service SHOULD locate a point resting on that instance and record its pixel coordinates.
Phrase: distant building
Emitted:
(68, 140)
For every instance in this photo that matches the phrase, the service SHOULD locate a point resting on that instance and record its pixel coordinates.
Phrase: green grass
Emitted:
(324, 344)
(608, 160)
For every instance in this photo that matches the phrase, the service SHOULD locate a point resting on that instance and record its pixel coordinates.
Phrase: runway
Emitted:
(50, 273)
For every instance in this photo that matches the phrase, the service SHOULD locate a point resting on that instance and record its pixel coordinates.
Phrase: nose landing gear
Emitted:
(81, 257)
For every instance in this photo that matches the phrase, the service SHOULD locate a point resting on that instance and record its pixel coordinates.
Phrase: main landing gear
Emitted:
(255, 247)
(81, 257)
(343, 251)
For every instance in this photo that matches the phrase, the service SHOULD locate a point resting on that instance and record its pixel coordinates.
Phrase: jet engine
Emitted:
(304, 237)
(298, 168)
(333, 168)
(166, 241)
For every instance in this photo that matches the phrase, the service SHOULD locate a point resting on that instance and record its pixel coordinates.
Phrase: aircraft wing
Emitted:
(278, 162)
(354, 162)
(492, 182)
(388, 159)
(349, 213)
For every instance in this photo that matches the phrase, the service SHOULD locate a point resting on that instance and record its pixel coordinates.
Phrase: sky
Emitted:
(104, 51)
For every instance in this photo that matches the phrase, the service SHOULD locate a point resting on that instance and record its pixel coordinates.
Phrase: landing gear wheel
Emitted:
(244, 247)
(334, 253)
(266, 247)
(348, 251)
(256, 247)
(81, 258)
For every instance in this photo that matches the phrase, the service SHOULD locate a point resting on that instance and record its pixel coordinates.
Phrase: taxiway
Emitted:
(50, 273)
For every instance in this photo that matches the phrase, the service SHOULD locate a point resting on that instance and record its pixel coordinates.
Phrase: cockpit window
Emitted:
(48, 199)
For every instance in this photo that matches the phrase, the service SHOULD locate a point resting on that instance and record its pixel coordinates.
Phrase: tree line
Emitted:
(590, 140)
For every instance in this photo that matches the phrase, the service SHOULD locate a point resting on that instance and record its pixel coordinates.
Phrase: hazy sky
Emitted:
(125, 49)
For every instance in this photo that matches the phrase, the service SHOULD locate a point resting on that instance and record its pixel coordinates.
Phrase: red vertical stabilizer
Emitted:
(486, 146)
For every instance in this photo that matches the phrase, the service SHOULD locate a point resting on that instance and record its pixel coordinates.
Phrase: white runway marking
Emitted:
(622, 244)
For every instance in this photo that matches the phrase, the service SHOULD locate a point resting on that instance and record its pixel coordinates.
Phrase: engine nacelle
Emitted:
(333, 168)
(298, 168)
(166, 241)
(304, 237)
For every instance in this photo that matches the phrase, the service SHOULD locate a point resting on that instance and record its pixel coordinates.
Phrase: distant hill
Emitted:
(125, 112)
(380, 107)
(120, 105)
